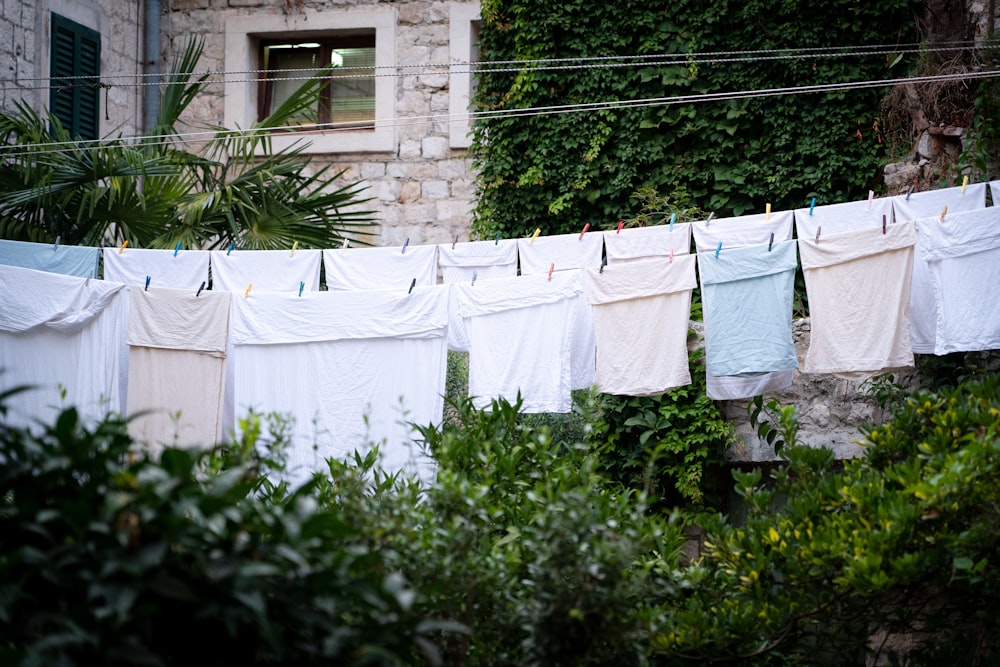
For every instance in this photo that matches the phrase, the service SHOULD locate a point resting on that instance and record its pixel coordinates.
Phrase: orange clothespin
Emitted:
(552, 267)
(535, 235)
(944, 213)
(246, 295)
(124, 245)
(586, 227)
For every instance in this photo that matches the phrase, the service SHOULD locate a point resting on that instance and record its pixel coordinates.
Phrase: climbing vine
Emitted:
(561, 171)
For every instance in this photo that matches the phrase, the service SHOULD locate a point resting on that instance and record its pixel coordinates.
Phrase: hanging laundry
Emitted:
(963, 260)
(567, 252)
(747, 295)
(995, 192)
(742, 231)
(267, 270)
(61, 335)
(351, 368)
(79, 261)
(473, 262)
(380, 268)
(176, 367)
(521, 338)
(843, 217)
(641, 313)
(923, 308)
(185, 270)
(639, 243)
(858, 285)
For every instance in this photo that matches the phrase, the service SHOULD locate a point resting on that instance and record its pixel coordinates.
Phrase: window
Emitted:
(74, 71)
(288, 49)
(464, 22)
(349, 98)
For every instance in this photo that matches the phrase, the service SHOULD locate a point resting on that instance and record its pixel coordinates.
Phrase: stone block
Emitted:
(372, 170)
(434, 190)
(927, 146)
(409, 192)
(409, 150)
(188, 5)
(434, 147)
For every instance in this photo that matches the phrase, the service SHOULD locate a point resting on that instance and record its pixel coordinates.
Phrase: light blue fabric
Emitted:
(747, 307)
(79, 261)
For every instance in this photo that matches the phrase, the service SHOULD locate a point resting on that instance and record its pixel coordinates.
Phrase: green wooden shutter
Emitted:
(74, 72)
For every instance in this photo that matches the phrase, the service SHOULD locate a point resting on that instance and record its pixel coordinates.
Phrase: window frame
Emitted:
(464, 19)
(244, 53)
(79, 125)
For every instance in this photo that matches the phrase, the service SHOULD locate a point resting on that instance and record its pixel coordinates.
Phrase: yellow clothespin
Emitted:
(295, 246)
(124, 245)
(767, 212)
(965, 183)
(535, 235)
(246, 294)
(944, 213)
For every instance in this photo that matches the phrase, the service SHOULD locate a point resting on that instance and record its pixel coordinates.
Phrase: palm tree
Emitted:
(156, 191)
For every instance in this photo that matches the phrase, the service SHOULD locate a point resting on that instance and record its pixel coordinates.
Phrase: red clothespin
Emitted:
(552, 267)
(586, 228)
(621, 223)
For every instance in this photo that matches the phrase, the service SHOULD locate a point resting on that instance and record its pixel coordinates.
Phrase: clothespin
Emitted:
(718, 249)
(232, 244)
(818, 230)
(552, 267)
(344, 247)
(965, 183)
(200, 289)
(124, 245)
(146, 288)
(944, 213)
(604, 262)
(812, 206)
(295, 246)
(770, 244)
(883, 223)
(767, 212)
(910, 191)
(302, 286)
(412, 285)
(405, 243)
(710, 216)
(497, 242)
(177, 248)
(586, 228)
(621, 223)
(56, 246)
(673, 218)
(538, 230)
(871, 197)
(474, 274)
(455, 241)
(246, 294)
(671, 254)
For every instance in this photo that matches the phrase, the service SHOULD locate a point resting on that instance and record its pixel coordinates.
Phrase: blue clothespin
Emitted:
(497, 242)
(200, 289)
(302, 286)
(56, 246)
(474, 274)
(718, 249)
(910, 191)
(177, 249)
(812, 206)
(147, 284)
(412, 285)
(405, 243)
(770, 244)
(231, 246)
(710, 216)
(673, 217)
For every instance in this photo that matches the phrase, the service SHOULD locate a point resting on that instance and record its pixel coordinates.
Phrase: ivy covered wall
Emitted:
(561, 171)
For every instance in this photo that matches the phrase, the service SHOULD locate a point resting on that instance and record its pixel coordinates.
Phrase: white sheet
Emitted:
(187, 270)
(266, 270)
(380, 268)
(639, 243)
(742, 231)
(566, 251)
(842, 217)
(479, 260)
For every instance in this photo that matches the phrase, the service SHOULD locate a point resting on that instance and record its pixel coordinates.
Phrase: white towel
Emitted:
(176, 370)
(476, 260)
(266, 270)
(61, 334)
(963, 259)
(639, 243)
(78, 261)
(380, 268)
(350, 367)
(188, 269)
(565, 251)
(520, 333)
(641, 313)
(923, 307)
(742, 231)
(843, 217)
(858, 284)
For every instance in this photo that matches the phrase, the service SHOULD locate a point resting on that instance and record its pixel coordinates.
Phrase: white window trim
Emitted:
(243, 34)
(461, 17)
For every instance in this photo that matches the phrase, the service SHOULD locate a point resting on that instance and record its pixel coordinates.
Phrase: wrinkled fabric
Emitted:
(65, 337)
(843, 217)
(858, 285)
(476, 260)
(639, 243)
(742, 231)
(266, 270)
(380, 268)
(188, 269)
(641, 312)
(77, 261)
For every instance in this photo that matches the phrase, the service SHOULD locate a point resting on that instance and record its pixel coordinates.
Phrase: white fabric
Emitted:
(176, 371)
(566, 251)
(187, 270)
(923, 308)
(843, 217)
(858, 284)
(639, 243)
(995, 192)
(380, 268)
(963, 259)
(641, 313)
(61, 333)
(520, 332)
(479, 260)
(266, 270)
(350, 368)
(742, 231)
